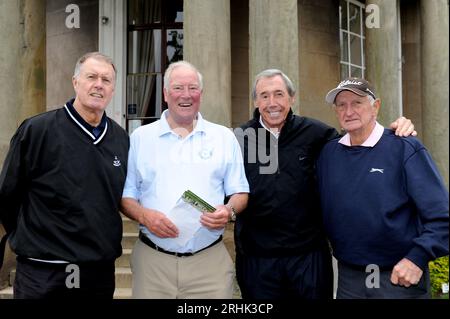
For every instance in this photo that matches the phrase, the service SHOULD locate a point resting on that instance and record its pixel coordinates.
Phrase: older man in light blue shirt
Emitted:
(182, 151)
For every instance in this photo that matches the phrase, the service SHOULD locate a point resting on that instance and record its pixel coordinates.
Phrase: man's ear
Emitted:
(377, 106)
(292, 98)
(165, 94)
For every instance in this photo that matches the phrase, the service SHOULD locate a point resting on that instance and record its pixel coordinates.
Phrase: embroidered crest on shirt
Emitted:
(116, 162)
(205, 153)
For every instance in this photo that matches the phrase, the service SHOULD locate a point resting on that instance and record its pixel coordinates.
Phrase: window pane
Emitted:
(144, 11)
(144, 96)
(355, 47)
(144, 51)
(343, 11)
(355, 19)
(344, 71)
(351, 38)
(356, 72)
(133, 124)
(174, 11)
(344, 46)
(174, 45)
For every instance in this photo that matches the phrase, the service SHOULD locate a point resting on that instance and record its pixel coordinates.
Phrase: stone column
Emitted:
(434, 51)
(383, 60)
(22, 77)
(207, 45)
(22, 65)
(273, 31)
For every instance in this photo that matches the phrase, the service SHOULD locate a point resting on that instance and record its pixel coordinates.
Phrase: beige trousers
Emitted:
(206, 275)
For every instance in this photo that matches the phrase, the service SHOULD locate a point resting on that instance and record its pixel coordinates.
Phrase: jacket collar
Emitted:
(84, 126)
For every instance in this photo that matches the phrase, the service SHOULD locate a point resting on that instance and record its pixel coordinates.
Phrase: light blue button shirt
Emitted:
(162, 165)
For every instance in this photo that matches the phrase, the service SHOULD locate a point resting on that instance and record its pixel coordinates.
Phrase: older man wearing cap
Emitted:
(384, 203)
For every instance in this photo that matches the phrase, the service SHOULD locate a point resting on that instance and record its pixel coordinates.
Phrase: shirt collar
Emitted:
(164, 127)
(96, 133)
(275, 134)
(257, 115)
(371, 141)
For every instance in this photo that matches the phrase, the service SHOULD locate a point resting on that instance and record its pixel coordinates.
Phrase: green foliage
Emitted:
(438, 274)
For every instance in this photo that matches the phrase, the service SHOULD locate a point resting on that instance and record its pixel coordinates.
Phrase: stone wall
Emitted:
(65, 45)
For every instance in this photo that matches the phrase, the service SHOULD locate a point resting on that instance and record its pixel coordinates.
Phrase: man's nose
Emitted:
(348, 109)
(185, 91)
(99, 82)
(271, 99)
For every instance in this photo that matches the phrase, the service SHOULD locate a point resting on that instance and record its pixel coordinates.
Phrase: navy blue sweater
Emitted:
(384, 203)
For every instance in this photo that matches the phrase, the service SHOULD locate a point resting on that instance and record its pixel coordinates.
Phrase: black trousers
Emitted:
(41, 280)
(308, 276)
(356, 283)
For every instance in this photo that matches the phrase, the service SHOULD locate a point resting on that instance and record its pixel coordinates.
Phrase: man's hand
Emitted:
(217, 219)
(406, 273)
(158, 224)
(403, 127)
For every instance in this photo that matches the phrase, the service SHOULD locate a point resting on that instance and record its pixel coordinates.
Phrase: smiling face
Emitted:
(94, 86)
(355, 113)
(183, 96)
(273, 101)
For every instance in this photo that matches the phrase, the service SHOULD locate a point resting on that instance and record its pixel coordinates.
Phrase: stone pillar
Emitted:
(22, 77)
(434, 51)
(383, 60)
(66, 43)
(207, 45)
(22, 65)
(273, 31)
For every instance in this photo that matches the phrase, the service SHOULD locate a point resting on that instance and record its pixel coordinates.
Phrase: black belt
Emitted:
(151, 244)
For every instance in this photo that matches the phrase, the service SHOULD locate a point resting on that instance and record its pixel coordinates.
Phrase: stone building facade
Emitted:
(401, 46)
(404, 52)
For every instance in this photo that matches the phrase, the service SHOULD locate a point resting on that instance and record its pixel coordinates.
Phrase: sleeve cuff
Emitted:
(419, 257)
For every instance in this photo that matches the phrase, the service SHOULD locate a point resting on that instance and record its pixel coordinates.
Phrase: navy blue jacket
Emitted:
(384, 203)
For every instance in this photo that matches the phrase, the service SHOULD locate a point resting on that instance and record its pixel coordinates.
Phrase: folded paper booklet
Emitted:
(198, 203)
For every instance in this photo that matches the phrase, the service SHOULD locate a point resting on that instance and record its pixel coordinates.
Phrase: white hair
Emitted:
(174, 65)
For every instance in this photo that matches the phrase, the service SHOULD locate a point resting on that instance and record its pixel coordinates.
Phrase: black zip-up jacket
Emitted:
(60, 189)
(283, 216)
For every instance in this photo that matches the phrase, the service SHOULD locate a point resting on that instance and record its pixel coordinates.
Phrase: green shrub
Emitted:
(438, 275)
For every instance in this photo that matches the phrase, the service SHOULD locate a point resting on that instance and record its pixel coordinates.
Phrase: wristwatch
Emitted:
(233, 213)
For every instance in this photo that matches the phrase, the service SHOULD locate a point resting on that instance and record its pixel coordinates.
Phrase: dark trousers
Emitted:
(41, 280)
(308, 276)
(356, 283)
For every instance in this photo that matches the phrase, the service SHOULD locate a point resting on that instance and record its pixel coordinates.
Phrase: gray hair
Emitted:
(177, 64)
(93, 55)
(371, 99)
(269, 73)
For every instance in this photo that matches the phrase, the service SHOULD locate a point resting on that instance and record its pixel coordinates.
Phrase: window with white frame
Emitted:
(155, 39)
(351, 34)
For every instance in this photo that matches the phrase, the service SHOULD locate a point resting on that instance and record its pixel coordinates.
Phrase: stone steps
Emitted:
(129, 226)
(124, 259)
(6, 293)
(128, 240)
